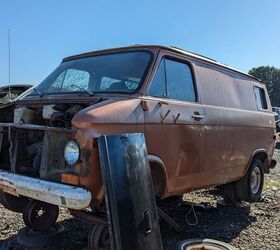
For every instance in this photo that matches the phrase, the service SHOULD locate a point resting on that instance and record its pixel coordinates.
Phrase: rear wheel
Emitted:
(249, 188)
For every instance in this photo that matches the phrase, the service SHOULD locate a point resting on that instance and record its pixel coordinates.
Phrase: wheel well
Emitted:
(158, 178)
(264, 158)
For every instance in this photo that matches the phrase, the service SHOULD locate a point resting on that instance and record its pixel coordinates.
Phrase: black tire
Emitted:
(99, 238)
(245, 189)
(243, 208)
(40, 216)
(228, 192)
(26, 237)
(13, 203)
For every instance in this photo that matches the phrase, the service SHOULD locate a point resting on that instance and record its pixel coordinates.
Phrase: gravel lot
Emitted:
(258, 230)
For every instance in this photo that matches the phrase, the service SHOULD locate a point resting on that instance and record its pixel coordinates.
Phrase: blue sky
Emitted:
(240, 33)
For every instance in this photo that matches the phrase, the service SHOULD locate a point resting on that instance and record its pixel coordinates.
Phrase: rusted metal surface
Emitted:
(89, 216)
(33, 127)
(191, 150)
(52, 161)
(13, 149)
(8, 189)
(190, 153)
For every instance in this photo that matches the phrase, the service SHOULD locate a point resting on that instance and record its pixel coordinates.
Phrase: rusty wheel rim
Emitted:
(255, 181)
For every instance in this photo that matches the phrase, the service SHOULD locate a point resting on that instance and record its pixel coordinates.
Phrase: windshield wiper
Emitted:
(83, 89)
(38, 92)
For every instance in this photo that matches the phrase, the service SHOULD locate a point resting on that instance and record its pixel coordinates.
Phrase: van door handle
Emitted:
(197, 116)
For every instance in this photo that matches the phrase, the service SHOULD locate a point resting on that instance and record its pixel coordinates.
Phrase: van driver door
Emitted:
(174, 122)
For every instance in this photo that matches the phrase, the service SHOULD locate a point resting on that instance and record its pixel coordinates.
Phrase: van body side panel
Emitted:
(234, 127)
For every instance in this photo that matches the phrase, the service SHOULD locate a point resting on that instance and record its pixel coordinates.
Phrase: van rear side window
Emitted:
(260, 98)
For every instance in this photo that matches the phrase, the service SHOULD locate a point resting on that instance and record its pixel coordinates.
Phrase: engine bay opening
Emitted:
(33, 138)
(52, 115)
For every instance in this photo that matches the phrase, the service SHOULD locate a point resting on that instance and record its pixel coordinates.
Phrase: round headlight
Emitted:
(71, 152)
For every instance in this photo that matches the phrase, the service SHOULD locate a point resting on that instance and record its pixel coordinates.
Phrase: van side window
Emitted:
(173, 80)
(260, 98)
(179, 81)
(158, 87)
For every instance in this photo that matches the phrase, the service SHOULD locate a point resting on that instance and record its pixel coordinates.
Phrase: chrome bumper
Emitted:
(54, 193)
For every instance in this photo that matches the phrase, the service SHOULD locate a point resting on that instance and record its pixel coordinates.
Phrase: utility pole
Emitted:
(9, 49)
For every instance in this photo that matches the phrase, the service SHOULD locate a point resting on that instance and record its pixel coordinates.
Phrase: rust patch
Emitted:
(9, 190)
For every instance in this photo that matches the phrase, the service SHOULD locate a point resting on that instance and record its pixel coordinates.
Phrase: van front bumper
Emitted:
(54, 193)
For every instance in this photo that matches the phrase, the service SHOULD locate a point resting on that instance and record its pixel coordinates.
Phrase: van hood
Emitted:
(112, 111)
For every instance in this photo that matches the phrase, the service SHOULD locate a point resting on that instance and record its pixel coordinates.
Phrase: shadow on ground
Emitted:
(74, 237)
(211, 223)
(208, 222)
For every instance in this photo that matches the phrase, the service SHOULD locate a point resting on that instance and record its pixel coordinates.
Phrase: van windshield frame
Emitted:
(120, 72)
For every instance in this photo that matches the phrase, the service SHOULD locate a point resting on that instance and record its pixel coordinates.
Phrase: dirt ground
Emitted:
(258, 230)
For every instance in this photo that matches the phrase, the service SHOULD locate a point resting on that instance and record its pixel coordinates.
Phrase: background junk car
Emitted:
(205, 125)
(10, 92)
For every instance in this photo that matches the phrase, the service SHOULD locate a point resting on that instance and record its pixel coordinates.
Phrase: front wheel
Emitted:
(99, 238)
(250, 187)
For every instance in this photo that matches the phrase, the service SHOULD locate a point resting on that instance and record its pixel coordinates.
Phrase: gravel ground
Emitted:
(258, 230)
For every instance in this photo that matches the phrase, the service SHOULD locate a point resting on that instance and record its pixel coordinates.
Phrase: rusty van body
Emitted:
(204, 124)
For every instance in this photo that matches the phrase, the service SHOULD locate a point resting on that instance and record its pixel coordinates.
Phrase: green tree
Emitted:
(271, 77)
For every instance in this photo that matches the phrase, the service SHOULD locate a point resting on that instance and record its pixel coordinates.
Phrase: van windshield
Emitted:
(121, 72)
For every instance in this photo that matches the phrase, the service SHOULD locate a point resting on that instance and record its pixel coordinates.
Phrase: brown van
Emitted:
(205, 125)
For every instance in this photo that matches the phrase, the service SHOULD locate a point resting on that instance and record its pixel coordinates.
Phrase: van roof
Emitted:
(170, 48)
